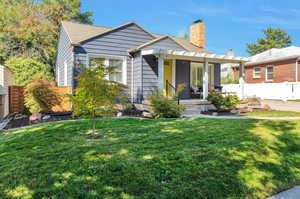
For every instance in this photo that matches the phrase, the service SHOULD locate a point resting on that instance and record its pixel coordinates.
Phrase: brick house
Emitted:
(273, 66)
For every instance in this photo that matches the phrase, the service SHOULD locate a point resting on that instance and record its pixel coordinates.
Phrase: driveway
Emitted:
(293, 193)
(282, 105)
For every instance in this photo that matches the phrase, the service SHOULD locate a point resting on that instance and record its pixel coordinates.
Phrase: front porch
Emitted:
(199, 72)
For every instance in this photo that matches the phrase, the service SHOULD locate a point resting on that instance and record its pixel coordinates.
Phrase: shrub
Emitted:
(24, 69)
(131, 110)
(164, 107)
(223, 103)
(39, 97)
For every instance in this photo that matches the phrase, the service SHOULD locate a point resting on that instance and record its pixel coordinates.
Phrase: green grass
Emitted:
(164, 158)
(273, 114)
(295, 100)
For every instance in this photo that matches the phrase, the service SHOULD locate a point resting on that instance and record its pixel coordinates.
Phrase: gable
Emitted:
(165, 43)
(118, 41)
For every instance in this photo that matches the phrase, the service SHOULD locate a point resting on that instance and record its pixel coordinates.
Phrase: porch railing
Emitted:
(171, 91)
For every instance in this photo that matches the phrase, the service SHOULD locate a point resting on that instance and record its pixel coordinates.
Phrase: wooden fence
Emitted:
(16, 99)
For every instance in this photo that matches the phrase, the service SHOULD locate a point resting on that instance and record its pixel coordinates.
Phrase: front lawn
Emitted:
(272, 114)
(138, 158)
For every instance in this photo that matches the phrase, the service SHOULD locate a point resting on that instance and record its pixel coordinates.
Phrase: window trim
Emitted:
(266, 76)
(256, 77)
(123, 58)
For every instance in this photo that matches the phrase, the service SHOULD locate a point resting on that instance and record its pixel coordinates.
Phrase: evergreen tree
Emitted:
(274, 38)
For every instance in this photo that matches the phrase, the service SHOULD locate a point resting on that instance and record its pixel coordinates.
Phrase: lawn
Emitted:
(295, 100)
(272, 114)
(164, 158)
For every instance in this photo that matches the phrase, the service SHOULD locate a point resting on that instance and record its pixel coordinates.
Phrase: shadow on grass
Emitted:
(171, 158)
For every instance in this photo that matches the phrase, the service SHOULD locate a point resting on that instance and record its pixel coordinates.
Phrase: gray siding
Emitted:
(150, 74)
(166, 43)
(64, 55)
(137, 78)
(116, 43)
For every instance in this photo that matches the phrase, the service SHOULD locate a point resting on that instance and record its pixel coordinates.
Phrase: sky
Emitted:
(230, 24)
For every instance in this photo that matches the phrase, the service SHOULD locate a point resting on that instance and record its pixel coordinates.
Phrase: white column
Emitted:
(205, 80)
(242, 80)
(161, 73)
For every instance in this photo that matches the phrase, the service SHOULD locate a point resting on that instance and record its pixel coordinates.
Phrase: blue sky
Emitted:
(229, 23)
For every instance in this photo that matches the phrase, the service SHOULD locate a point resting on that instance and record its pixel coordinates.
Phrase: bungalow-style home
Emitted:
(144, 60)
(273, 66)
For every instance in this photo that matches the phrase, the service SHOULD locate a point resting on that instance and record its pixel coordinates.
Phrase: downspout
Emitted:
(297, 69)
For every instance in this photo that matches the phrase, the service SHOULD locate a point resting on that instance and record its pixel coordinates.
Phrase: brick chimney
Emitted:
(230, 52)
(197, 33)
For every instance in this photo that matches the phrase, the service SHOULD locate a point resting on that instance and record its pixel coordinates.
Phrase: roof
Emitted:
(78, 33)
(275, 54)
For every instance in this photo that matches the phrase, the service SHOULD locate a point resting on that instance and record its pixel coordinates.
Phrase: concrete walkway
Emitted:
(282, 105)
(239, 117)
(293, 193)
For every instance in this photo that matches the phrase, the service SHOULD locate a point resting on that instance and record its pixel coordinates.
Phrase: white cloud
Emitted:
(270, 20)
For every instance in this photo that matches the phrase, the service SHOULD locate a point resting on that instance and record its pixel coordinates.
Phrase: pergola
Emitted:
(206, 58)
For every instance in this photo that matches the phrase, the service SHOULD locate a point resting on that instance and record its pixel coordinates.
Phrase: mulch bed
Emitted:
(23, 120)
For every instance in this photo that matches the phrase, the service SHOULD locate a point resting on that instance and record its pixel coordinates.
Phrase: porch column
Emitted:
(242, 80)
(205, 80)
(161, 73)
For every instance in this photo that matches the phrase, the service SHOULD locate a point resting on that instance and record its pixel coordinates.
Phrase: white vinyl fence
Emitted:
(281, 91)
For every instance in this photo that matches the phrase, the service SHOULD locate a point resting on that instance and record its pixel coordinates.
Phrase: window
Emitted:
(196, 74)
(269, 73)
(256, 72)
(196, 77)
(119, 63)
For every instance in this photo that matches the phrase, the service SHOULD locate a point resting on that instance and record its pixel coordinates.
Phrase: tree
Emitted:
(275, 38)
(30, 28)
(185, 36)
(95, 95)
(25, 68)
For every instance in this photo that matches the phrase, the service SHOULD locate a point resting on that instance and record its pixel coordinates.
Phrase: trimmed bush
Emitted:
(223, 103)
(164, 107)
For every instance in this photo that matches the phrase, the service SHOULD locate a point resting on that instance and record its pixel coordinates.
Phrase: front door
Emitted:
(167, 76)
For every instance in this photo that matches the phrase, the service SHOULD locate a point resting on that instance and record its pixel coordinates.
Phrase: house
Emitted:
(276, 65)
(144, 60)
(5, 82)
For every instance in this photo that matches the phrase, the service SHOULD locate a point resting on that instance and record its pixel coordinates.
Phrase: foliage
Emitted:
(39, 97)
(130, 109)
(164, 158)
(275, 38)
(222, 103)
(185, 36)
(164, 107)
(30, 28)
(24, 69)
(229, 79)
(95, 95)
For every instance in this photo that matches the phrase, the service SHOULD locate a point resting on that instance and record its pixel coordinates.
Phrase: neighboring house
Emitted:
(5, 82)
(274, 66)
(145, 61)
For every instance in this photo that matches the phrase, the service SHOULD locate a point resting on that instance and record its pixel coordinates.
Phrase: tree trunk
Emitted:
(94, 122)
